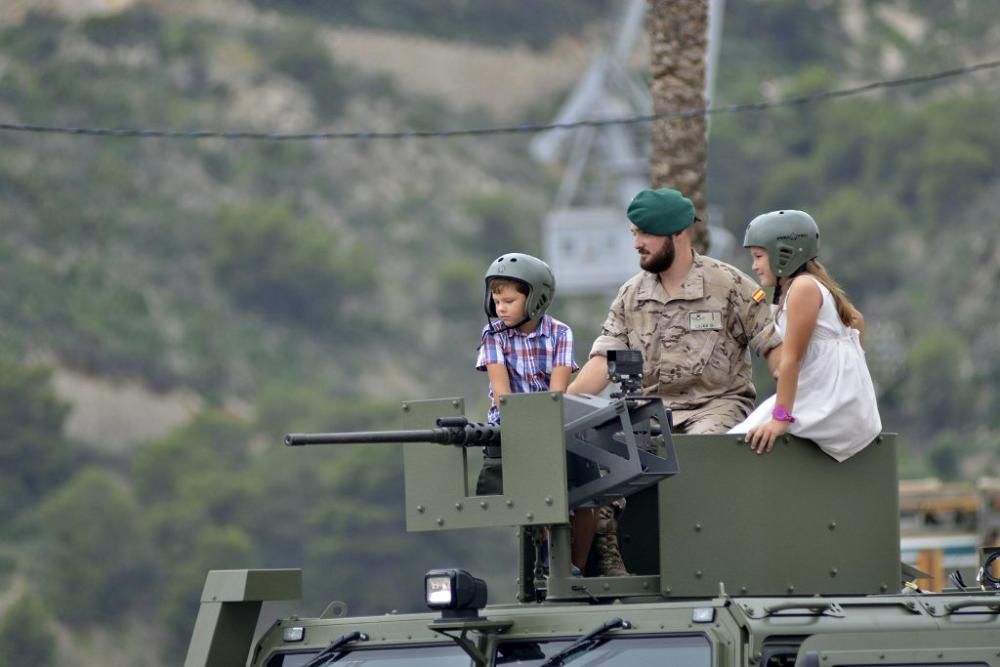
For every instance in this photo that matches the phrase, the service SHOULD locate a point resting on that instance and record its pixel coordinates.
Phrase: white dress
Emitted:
(835, 401)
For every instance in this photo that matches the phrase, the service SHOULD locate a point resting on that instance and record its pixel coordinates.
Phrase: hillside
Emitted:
(172, 307)
(375, 200)
(196, 300)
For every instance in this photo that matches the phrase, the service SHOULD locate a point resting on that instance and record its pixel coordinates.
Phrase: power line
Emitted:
(804, 100)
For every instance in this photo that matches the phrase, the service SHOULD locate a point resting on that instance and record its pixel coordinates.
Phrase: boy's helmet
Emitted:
(791, 239)
(526, 269)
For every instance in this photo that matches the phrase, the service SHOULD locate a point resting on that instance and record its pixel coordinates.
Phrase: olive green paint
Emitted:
(230, 606)
(440, 480)
(814, 543)
(791, 521)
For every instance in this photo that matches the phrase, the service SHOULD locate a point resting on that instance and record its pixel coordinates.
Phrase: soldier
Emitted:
(695, 320)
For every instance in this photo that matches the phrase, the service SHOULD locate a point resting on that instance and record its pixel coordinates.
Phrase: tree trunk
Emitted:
(678, 32)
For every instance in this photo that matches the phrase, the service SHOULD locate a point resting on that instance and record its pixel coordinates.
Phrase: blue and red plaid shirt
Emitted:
(529, 357)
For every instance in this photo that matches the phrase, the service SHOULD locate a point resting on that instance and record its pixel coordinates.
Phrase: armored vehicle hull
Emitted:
(715, 632)
(736, 559)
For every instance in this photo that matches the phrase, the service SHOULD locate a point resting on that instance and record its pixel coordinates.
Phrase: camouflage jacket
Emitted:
(695, 344)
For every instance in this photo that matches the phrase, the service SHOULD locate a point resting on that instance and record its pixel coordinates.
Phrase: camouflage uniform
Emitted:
(695, 344)
(696, 354)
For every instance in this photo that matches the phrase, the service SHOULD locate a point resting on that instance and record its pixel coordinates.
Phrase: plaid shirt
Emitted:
(529, 357)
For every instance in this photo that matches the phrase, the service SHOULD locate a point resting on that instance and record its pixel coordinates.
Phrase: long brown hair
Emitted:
(845, 309)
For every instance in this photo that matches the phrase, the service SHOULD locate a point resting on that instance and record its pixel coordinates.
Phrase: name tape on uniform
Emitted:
(705, 320)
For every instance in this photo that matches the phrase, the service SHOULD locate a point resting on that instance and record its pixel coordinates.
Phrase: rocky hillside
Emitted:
(171, 307)
(169, 288)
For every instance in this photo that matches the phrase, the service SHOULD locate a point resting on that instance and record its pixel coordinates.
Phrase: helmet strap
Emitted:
(503, 327)
(520, 324)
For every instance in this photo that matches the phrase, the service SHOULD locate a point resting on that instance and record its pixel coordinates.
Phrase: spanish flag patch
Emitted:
(759, 295)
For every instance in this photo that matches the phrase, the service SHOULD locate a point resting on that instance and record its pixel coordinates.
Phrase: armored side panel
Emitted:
(790, 522)
(230, 606)
(440, 480)
(955, 646)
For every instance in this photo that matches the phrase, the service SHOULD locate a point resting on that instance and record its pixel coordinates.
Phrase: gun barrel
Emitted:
(467, 435)
(361, 437)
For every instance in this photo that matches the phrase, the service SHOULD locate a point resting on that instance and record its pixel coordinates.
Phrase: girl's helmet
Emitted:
(791, 239)
(526, 269)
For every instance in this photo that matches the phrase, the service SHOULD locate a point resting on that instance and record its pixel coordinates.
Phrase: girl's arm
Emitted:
(774, 361)
(803, 302)
(560, 378)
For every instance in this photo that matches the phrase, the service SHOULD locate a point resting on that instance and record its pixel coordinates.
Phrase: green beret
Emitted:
(661, 212)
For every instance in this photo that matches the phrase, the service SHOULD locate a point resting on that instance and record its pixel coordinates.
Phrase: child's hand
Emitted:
(761, 438)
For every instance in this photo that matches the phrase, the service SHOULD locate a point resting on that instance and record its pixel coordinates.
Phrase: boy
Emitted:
(525, 350)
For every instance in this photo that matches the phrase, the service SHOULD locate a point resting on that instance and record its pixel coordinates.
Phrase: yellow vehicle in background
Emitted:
(945, 525)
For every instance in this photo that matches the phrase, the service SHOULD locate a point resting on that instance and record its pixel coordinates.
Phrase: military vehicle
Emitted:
(735, 559)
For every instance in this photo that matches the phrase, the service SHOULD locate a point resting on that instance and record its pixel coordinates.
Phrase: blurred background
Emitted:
(169, 308)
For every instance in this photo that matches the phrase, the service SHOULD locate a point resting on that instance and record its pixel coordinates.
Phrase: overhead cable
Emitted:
(803, 100)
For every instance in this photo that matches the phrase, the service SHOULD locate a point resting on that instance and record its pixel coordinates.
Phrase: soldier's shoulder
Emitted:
(725, 276)
(636, 280)
(631, 285)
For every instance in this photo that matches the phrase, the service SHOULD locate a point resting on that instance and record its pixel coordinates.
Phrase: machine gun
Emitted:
(457, 431)
(557, 452)
(608, 447)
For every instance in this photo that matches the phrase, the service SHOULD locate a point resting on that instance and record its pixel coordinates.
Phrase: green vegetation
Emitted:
(501, 222)
(92, 321)
(91, 521)
(299, 54)
(140, 266)
(498, 22)
(26, 635)
(291, 269)
(312, 285)
(135, 26)
(36, 38)
(456, 294)
(34, 456)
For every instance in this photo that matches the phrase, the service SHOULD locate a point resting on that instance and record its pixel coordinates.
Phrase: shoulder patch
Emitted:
(759, 295)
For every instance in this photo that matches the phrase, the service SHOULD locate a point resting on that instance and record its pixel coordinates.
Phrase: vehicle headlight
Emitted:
(456, 593)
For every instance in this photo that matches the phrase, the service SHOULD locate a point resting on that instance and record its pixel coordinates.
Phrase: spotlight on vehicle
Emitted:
(455, 592)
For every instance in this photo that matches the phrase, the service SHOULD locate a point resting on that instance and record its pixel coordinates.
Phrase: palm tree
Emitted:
(678, 31)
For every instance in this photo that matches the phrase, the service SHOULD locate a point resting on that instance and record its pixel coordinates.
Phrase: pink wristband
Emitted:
(781, 414)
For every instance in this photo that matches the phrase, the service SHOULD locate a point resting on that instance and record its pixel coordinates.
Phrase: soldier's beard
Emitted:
(662, 260)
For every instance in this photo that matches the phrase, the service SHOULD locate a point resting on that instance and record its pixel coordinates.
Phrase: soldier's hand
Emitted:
(761, 438)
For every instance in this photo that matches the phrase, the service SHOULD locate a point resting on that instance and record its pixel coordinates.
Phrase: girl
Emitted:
(825, 392)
